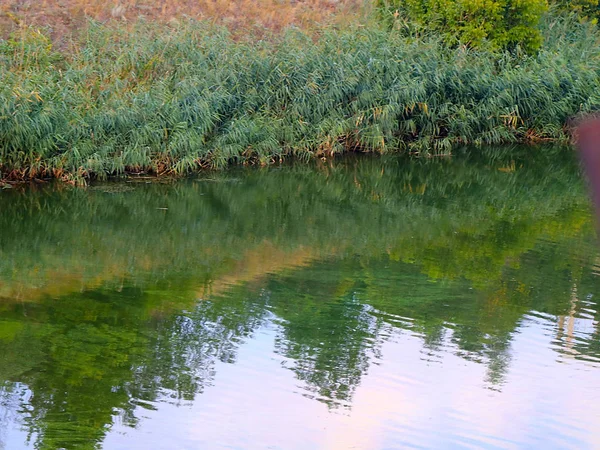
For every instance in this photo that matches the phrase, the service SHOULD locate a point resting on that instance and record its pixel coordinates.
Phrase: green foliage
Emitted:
(147, 100)
(499, 23)
(588, 9)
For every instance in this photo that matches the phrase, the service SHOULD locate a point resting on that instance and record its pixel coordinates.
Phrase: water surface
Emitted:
(364, 303)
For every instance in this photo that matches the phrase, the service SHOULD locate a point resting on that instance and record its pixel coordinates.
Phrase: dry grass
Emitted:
(65, 16)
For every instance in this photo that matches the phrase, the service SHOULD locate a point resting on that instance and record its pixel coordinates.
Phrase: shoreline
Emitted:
(178, 100)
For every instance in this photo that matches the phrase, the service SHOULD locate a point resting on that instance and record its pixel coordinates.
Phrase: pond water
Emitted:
(369, 303)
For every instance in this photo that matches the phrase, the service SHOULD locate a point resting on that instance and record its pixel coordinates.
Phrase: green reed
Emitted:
(174, 100)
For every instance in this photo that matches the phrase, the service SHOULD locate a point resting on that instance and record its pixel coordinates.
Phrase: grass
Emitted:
(172, 99)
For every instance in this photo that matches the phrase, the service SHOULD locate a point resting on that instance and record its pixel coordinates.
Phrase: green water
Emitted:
(364, 303)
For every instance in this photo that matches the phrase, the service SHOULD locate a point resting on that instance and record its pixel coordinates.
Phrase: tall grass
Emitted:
(176, 100)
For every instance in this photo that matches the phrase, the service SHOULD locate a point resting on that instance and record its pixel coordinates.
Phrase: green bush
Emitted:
(588, 9)
(499, 23)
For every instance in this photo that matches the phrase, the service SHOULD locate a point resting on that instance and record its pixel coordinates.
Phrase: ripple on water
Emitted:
(384, 305)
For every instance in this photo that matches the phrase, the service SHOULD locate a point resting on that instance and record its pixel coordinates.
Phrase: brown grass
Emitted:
(63, 17)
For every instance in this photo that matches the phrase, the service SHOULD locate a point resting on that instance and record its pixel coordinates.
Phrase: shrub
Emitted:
(499, 23)
(588, 9)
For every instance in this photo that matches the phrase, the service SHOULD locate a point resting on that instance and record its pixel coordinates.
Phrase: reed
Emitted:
(180, 97)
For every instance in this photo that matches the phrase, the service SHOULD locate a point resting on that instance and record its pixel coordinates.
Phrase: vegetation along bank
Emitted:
(178, 96)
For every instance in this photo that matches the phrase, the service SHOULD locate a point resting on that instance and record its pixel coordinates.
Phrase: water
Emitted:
(365, 303)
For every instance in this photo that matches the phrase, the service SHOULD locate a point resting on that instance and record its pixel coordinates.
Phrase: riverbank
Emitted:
(173, 99)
